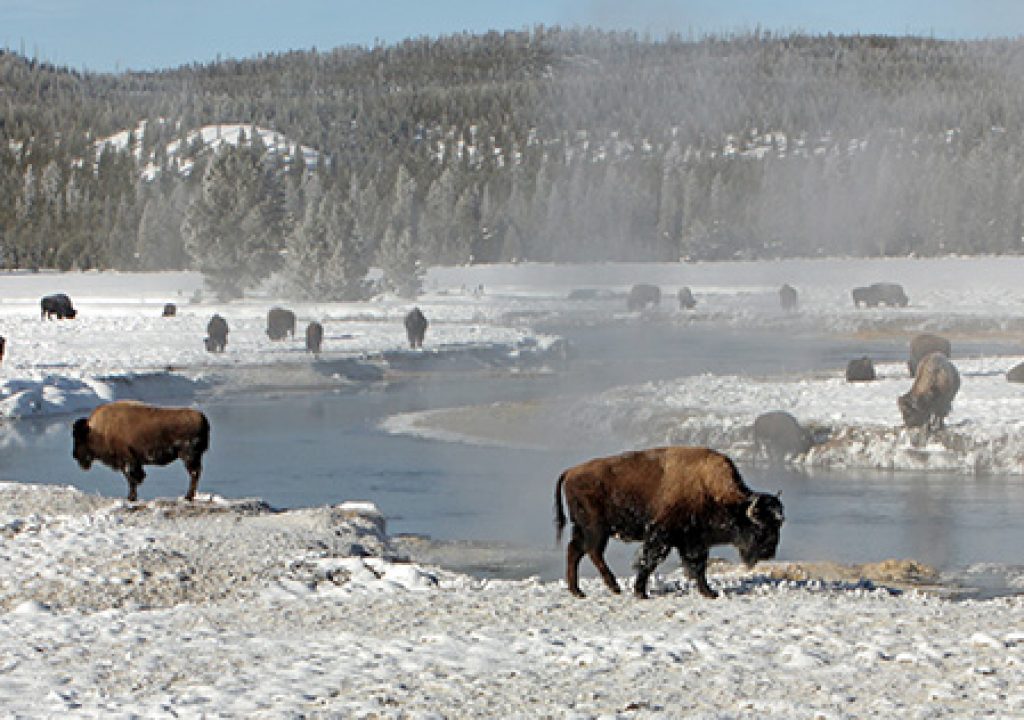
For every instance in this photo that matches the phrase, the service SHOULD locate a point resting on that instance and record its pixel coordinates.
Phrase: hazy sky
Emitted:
(111, 35)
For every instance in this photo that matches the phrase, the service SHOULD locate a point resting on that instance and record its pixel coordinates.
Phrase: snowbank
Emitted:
(225, 608)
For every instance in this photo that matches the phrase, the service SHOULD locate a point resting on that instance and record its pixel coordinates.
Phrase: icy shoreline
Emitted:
(226, 609)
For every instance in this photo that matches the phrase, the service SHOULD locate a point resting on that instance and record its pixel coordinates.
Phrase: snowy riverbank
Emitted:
(225, 609)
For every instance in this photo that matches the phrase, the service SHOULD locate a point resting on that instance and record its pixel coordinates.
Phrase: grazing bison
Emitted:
(880, 294)
(1014, 374)
(778, 434)
(860, 370)
(687, 498)
(925, 344)
(170, 310)
(216, 334)
(415, 327)
(314, 337)
(931, 396)
(280, 322)
(640, 296)
(787, 297)
(686, 299)
(59, 305)
(125, 435)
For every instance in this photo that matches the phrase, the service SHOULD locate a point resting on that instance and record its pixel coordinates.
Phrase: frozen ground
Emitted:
(227, 609)
(224, 608)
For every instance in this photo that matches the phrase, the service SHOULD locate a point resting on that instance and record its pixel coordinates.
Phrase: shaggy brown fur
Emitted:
(931, 396)
(125, 435)
(925, 344)
(416, 327)
(688, 498)
(280, 322)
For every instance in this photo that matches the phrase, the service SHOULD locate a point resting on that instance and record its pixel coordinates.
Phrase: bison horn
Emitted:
(752, 510)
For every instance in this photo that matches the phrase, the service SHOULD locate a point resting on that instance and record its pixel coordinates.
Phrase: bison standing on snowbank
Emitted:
(925, 344)
(415, 327)
(687, 498)
(642, 295)
(280, 322)
(788, 297)
(778, 434)
(216, 334)
(58, 305)
(314, 337)
(931, 396)
(125, 435)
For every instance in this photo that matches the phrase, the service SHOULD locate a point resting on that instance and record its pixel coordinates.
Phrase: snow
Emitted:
(226, 608)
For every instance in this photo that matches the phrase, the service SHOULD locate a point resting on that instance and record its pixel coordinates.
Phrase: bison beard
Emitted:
(686, 498)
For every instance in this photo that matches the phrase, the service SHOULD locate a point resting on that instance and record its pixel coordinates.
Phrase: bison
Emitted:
(280, 322)
(314, 337)
(931, 396)
(925, 344)
(880, 294)
(415, 327)
(58, 305)
(125, 435)
(3, 346)
(640, 296)
(687, 498)
(216, 334)
(686, 299)
(778, 434)
(860, 370)
(170, 310)
(787, 297)
(1014, 374)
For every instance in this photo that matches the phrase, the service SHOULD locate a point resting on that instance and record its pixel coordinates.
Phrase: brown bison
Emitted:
(687, 498)
(860, 370)
(787, 297)
(931, 396)
(216, 334)
(925, 344)
(314, 337)
(58, 305)
(170, 310)
(125, 435)
(880, 294)
(280, 322)
(778, 435)
(686, 299)
(415, 327)
(640, 296)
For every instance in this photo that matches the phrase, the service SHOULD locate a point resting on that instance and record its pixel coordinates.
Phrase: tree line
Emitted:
(550, 145)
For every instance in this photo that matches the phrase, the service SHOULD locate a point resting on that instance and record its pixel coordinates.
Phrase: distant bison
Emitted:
(687, 498)
(686, 299)
(925, 344)
(880, 294)
(3, 346)
(787, 298)
(1014, 375)
(860, 370)
(590, 294)
(415, 327)
(125, 435)
(931, 396)
(640, 296)
(57, 305)
(170, 310)
(216, 334)
(314, 337)
(778, 435)
(280, 322)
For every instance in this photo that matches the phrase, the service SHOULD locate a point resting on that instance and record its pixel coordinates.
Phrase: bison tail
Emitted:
(559, 512)
(203, 443)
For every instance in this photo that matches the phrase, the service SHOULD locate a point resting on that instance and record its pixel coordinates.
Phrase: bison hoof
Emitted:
(576, 592)
(708, 593)
(642, 595)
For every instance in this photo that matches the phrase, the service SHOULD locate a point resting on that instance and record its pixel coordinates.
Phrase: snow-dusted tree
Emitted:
(397, 256)
(160, 245)
(233, 229)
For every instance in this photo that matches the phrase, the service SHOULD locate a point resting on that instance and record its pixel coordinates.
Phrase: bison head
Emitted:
(759, 536)
(82, 452)
(914, 415)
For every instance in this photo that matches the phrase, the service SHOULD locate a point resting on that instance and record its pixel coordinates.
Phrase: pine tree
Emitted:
(403, 272)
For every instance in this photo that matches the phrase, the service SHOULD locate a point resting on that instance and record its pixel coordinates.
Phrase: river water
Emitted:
(297, 449)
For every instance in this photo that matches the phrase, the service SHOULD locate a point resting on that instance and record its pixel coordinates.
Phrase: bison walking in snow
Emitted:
(931, 396)
(925, 344)
(58, 305)
(216, 334)
(860, 369)
(170, 310)
(787, 297)
(125, 435)
(280, 322)
(415, 327)
(640, 296)
(880, 294)
(686, 299)
(687, 498)
(314, 337)
(778, 434)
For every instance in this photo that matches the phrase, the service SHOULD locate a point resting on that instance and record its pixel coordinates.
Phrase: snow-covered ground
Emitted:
(226, 609)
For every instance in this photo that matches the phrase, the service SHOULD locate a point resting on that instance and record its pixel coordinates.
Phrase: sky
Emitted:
(119, 35)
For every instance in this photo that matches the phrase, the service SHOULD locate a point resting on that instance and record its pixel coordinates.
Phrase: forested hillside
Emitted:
(543, 145)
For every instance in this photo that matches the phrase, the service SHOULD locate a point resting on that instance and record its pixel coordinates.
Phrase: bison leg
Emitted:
(696, 565)
(654, 550)
(134, 474)
(573, 555)
(595, 551)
